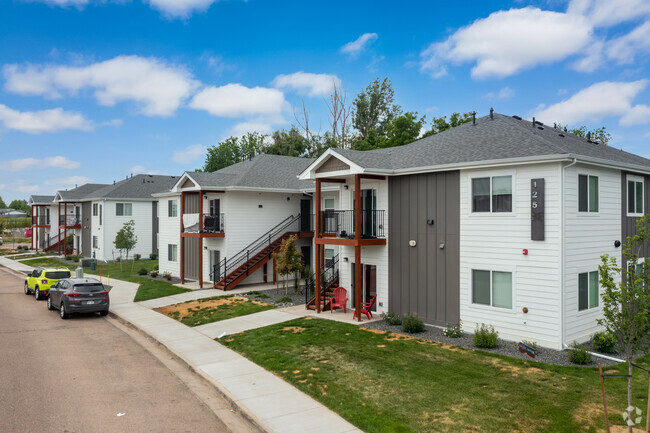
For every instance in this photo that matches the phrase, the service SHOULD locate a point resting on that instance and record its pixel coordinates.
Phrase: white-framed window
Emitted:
(492, 288)
(328, 204)
(588, 290)
(95, 242)
(329, 255)
(172, 208)
(95, 209)
(172, 252)
(634, 196)
(123, 209)
(492, 194)
(587, 193)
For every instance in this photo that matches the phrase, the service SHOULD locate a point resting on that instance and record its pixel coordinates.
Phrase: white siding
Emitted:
(587, 237)
(141, 215)
(493, 241)
(169, 233)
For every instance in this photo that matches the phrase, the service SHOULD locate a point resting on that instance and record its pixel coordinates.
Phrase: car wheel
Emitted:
(49, 304)
(37, 293)
(103, 313)
(64, 314)
(27, 292)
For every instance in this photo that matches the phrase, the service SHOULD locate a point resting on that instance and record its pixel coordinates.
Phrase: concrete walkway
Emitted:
(270, 402)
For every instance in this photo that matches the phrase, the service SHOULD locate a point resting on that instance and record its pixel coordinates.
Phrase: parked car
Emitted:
(78, 295)
(41, 279)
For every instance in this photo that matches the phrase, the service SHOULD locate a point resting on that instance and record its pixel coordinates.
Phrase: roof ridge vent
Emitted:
(561, 135)
(516, 117)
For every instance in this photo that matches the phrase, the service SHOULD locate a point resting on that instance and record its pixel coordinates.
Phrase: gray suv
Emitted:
(78, 295)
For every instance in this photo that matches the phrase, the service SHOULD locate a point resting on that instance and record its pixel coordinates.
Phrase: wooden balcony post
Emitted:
(200, 239)
(58, 225)
(357, 248)
(317, 232)
(33, 228)
(182, 239)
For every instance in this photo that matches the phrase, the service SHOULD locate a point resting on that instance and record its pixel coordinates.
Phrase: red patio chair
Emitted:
(340, 299)
(367, 306)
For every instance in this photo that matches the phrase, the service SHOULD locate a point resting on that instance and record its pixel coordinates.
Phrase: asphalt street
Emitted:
(85, 374)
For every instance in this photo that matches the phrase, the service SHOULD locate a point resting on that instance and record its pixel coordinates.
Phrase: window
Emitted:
(329, 255)
(492, 288)
(95, 242)
(328, 204)
(492, 194)
(100, 214)
(95, 209)
(634, 197)
(123, 209)
(587, 193)
(172, 253)
(587, 290)
(172, 208)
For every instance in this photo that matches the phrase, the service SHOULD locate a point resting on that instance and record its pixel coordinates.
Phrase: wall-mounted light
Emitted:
(345, 259)
(345, 187)
(288, 198)
(430, 222)
(259, 206)
(205, 197)
(205, 248)
(617, 244)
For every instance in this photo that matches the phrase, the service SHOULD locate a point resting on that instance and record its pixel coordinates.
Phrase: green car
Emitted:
(40, 280)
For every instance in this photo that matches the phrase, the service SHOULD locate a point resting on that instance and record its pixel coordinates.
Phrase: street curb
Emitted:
(224, 393)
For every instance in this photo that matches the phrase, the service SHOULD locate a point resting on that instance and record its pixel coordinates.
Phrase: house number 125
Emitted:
(537, 209)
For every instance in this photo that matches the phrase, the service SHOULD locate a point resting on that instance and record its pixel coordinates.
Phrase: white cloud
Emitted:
(604, 13)
(504, 93)
(638, 115)
(235, 100)
(38, 122)
(116, 123)
(140, 169)
(598, 101)
(306, 83)
(624, 48)
(189, 154)
(180, 8)
(63, 3)
(355, 47)
(24, 187)
(592, 59)
(157, 87)
(243, 128)
(66, 182)
(53, 161)
(507, 42)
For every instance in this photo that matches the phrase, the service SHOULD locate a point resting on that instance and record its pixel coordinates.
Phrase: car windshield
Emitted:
(91, 287)
(57, 275)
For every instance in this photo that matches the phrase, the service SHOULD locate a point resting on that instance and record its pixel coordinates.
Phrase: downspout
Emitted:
(562, 247)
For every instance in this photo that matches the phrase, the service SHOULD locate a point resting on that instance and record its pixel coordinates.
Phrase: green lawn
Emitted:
(149, 288)
(383, 384)
(214, 309)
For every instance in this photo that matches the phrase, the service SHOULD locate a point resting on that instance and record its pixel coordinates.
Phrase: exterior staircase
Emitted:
(54, 244)
(254, 256)
(330, 281)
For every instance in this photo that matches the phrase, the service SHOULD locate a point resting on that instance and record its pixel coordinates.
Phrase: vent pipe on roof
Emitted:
(588, 136)
(491, 113)
(473, 117)
(113, 181)
(533, 122)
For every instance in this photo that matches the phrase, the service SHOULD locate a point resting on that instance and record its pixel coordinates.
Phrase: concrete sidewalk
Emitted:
(268, 401)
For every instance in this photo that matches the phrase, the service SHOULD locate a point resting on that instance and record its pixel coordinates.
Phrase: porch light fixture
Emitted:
(288, 198)
(617, 244)
(345, 187)
(345, 259)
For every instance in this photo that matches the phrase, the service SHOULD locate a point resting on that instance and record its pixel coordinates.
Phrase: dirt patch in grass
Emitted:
(208, 310)
(294, 329)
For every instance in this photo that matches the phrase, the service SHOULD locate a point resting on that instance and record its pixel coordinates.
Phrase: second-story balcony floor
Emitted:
(338, 227)
(206, 225)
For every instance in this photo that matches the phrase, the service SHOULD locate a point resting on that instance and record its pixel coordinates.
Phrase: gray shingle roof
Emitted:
(503, 137)
(262, 171)
(138, 186)
(42, 199)
(81, 192)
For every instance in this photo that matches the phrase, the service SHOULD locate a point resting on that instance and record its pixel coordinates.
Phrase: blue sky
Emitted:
(94, 90)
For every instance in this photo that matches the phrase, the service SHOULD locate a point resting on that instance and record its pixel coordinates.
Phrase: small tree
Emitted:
(626, 303)
(288, 260)
(125, 239)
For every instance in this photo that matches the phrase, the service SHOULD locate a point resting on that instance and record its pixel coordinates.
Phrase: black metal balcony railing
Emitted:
(40, 220)
(69, 220)
(213, 223)
(340, 223)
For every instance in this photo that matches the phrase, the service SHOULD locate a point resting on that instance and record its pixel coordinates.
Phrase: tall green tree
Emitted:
(597, 134)
(3, 205)
(126, 240)
(225, 153)
(626, 300)
(20, 205)
(439, 124)
(374, 107)
(287, 143)
(399, 131)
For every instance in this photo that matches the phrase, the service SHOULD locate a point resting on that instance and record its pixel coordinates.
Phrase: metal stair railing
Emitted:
(330, 273)
(226, 266)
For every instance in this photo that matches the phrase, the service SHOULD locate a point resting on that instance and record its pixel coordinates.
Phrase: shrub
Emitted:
(68, 256)
(578, 354)
(153, 256)
(75, 258)
(391, 318)
(412, 324)
(155, 268)
(284, 300)
(454, 331)
(486, 337)
(604, 342)
(167, 275)
(153, 274)
(143, 271)
(137, 257)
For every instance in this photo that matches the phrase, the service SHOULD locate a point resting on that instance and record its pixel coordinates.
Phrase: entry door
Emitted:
(215, 258)
(215, 212)
(368, 282)
(368, 214)
(77, 214)
(305, 215)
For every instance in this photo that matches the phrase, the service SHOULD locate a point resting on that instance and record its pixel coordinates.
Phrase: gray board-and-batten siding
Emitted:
(424, 279)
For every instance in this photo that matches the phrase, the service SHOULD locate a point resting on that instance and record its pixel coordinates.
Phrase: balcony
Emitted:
(69, 221)
(40, 220)
(213, 225)
(340, 224)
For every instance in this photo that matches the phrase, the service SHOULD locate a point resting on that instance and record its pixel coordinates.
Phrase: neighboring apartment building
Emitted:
(499, 221)
(218, 224)
(42, 210)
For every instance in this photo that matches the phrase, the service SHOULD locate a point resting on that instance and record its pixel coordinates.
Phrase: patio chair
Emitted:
(367, 306)
(340, 299)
